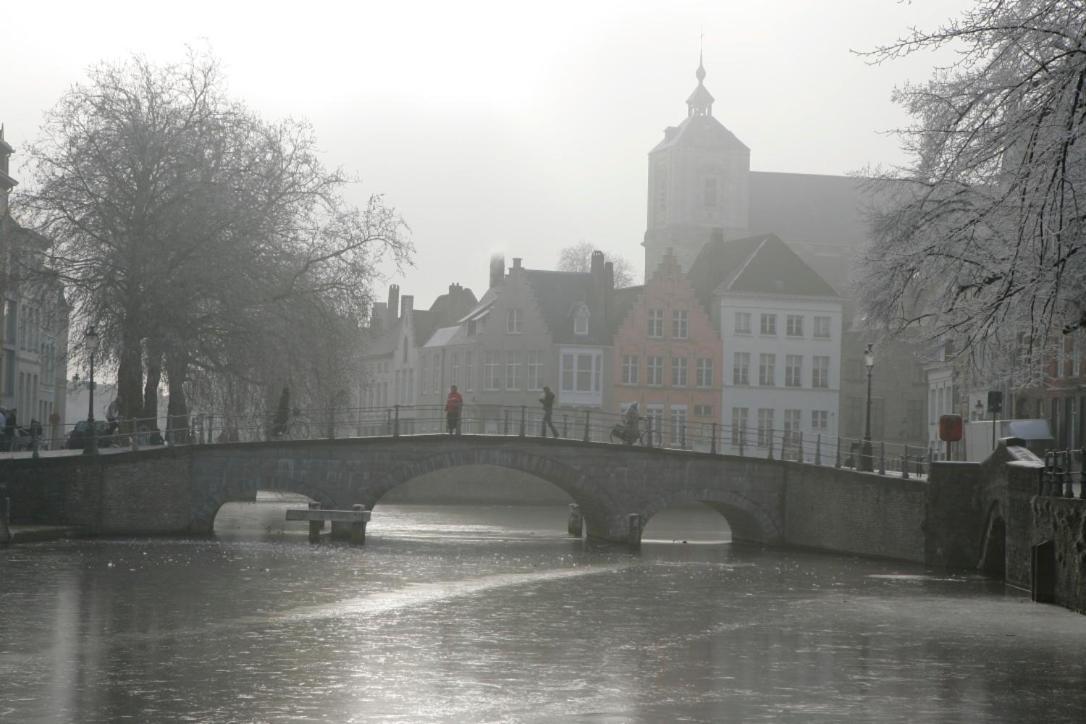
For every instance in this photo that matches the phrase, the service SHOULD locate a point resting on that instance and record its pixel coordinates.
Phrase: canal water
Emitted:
(491, 614)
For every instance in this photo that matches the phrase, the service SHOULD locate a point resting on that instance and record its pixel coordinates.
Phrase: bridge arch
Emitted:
(747, 519)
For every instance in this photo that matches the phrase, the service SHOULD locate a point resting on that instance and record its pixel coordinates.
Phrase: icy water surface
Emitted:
(459, 614)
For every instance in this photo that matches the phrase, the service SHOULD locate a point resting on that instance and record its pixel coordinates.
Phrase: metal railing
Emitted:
(1057, 477)
(587, 425)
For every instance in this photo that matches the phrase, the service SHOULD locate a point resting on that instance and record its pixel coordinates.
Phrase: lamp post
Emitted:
(90, 338)
(865, 451)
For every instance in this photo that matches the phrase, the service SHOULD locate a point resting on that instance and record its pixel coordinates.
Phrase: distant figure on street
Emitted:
(113, 416)
(633, 421)
(282, 414)
(453, 404)
(547, 400)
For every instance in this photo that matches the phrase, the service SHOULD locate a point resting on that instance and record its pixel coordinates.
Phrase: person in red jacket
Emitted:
(453, 404)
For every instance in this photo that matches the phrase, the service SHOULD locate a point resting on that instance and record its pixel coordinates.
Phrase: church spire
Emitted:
(700, 102)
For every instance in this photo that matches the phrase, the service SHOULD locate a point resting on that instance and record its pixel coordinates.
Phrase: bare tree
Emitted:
(578, 258)
(184, 226)
(981, 236)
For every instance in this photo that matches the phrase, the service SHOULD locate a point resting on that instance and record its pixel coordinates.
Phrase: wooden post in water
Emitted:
(358, 527)
(575, 527)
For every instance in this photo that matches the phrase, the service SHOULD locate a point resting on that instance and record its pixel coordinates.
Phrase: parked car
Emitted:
(80, 435)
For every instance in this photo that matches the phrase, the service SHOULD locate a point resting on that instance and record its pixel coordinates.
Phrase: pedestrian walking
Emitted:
(453, 404)
(547, 400)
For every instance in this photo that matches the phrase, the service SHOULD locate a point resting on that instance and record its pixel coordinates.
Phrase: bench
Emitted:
(346, 524)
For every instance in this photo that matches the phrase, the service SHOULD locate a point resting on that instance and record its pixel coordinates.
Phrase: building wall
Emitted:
(778, 397)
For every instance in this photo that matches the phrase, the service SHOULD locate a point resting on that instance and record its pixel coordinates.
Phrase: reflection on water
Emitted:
(492, 614)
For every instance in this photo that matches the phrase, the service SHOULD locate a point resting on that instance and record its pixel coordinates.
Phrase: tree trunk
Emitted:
(150, 386)
(177, 412)
(130, 373)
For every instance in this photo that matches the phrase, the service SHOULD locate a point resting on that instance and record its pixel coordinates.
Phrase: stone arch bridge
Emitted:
(178, 490)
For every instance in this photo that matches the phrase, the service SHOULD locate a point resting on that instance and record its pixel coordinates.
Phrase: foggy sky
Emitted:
(504, 126)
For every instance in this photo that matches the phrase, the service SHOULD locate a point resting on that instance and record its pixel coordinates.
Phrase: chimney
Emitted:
(609, 275)
(377, 319)
(597, 264)
(407, 303)
(516, 262)
(393, 302)
(497, 269)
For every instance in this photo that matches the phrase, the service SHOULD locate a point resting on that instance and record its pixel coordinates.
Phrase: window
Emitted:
(654, 421)
(567, 371)
(769, 324)
(739, 425)
(679, 324)
(741, 370)
(469, 371)
(703, 410)
(791, 426)
(512, 321)
(424, 379)
(454, 371)
(629, 369)
(820, 372)
(655, 369)
(678, 425)
(742, 322)
(794, 325)
(580, 321)
(767, 369)
(492, 371)
(656, 323)
(512, 371)
(793, 370)
(710, 192)
(820, 420)
(581, 371)
(705, 372)
(535, 370)
(584, 373)
(765, 426)
(822, 327)
(678, 371)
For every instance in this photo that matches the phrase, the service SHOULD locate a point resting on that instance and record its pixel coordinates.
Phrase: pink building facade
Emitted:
(668, 358)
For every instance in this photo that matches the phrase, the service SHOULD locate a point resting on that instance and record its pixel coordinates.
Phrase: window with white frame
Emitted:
(742, 322)
(703, 410)
(656, 323)
(794, 325)
(580, 321)
(740, 415)
(654, 421)
(512, 370)
(512, 321)
(705, 372)
(820, 371)
(535, 370)
(492, 367)
(741, 369)
(820, 420)
(822, 327)
(678, 371)
(630, 370)
(581, 372)
(769, 324)
(655, 370)
(765, 426)
(767, 369)
(469, 371)
(435, 380)
(678, 425)
(454, 369)
(792, 421)
(793, 370)
(679, 323)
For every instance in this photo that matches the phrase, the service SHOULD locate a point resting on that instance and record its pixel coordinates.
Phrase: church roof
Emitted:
(698, 131)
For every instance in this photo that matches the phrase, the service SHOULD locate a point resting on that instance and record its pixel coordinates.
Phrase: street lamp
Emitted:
(865, 451)
(90, 338)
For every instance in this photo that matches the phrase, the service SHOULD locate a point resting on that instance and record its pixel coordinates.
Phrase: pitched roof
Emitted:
(559, 295)
(700, 131)
(759, 264)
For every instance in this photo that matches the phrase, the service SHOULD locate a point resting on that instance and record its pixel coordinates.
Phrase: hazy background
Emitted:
(502, 125)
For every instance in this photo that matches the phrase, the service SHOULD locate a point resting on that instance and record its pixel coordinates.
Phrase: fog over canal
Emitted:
(491, 613)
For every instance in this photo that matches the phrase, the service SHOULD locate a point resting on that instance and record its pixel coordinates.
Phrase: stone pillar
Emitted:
(633, 530)
(358, 527)
(576, 521)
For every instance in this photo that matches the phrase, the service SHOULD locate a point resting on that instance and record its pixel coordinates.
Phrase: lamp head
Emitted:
(90, 337)
(869, 357)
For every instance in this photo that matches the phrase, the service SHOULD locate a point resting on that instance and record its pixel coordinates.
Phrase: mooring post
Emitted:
(523, 409)
(712, 443)
(315, 526)
(5, 519)
(587, 432)
(358, 527)
(576, 521)
(633, 523)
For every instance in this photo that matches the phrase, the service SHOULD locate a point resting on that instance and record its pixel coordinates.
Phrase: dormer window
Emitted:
(512, 321)
(580, 321)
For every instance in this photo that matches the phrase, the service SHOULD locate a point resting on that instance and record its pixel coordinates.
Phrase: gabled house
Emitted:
(668, 358)
(780, 326)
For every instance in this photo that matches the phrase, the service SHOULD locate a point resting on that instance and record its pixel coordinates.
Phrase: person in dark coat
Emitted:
(547, 400)
(454, 403)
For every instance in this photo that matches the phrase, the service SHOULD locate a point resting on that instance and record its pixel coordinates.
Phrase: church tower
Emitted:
(698, 184)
